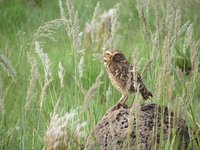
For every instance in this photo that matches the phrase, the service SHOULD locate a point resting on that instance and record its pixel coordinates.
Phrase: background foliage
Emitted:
(29, 94)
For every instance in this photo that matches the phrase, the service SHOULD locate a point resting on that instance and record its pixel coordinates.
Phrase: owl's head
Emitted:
(113, 55)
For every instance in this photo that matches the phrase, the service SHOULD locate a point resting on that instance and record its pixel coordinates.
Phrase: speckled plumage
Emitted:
(122, 75)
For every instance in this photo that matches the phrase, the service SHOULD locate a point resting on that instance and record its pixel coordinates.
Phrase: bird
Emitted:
(123, 76)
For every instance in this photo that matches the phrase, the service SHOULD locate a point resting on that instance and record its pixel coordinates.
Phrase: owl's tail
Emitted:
(144, 92)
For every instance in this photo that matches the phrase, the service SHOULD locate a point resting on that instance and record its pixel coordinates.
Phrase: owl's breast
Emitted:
(117, 77)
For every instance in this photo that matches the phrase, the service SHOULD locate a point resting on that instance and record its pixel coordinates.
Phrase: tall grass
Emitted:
(60, 90)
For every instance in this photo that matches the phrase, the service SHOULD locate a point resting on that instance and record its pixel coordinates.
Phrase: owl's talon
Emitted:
(118, 106)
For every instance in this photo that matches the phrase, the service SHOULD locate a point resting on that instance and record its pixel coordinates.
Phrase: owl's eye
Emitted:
(107, 54)
(118, 57)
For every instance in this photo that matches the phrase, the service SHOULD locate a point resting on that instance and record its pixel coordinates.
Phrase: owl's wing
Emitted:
(131, 73)
(138, 83)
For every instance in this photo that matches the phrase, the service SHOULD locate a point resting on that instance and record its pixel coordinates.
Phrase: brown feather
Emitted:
(122, 76)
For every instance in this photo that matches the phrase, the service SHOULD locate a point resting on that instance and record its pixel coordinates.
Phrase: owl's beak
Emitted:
(106, 59)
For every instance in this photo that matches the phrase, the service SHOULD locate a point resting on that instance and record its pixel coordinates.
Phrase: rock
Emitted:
(147, 127)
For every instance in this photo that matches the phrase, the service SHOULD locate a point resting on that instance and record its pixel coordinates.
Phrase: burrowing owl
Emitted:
(123, 77)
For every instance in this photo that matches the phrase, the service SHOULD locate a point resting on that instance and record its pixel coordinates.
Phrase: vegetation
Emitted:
(53, 88)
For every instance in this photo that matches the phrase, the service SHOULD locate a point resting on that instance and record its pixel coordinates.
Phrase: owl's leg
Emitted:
(120, 103)
(123, 99)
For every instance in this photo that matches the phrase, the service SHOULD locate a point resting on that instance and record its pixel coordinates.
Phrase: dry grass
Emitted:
(8, 67)
(166, 40)
(62, 130)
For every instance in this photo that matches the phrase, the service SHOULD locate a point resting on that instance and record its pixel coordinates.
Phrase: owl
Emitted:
(123, 77)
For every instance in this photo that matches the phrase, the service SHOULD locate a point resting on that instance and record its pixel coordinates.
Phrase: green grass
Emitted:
(20, 21)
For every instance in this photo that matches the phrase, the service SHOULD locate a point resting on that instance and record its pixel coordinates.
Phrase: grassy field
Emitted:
(52, 77)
